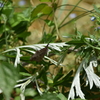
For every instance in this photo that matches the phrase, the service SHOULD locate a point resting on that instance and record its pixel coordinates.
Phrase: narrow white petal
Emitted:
(18, 55)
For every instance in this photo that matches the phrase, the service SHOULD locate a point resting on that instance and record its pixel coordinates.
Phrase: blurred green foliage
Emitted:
(35, 81)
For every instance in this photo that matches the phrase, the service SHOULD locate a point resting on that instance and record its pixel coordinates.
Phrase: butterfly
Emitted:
(39, 55)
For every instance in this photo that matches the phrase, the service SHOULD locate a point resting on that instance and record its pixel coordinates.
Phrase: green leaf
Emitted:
(68, 75)
(61, 96)
(47, 96)
(20, 27)
(49, 22)
(25, 74)
(76, 42)
(27, 12)
(96, 9)
(40, 10)
(17, 98)
(59, 75)
(2, 40)
(10, 1)
(7, 11)
(1, 97)
(65, 81)
(3, 58)
(43, 75)
(30, 92)
(78, 34)
(8, 77)
(23, 35)
(1, 28)
(18, 18)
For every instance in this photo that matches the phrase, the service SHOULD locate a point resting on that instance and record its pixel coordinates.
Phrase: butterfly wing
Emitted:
(38, 56)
